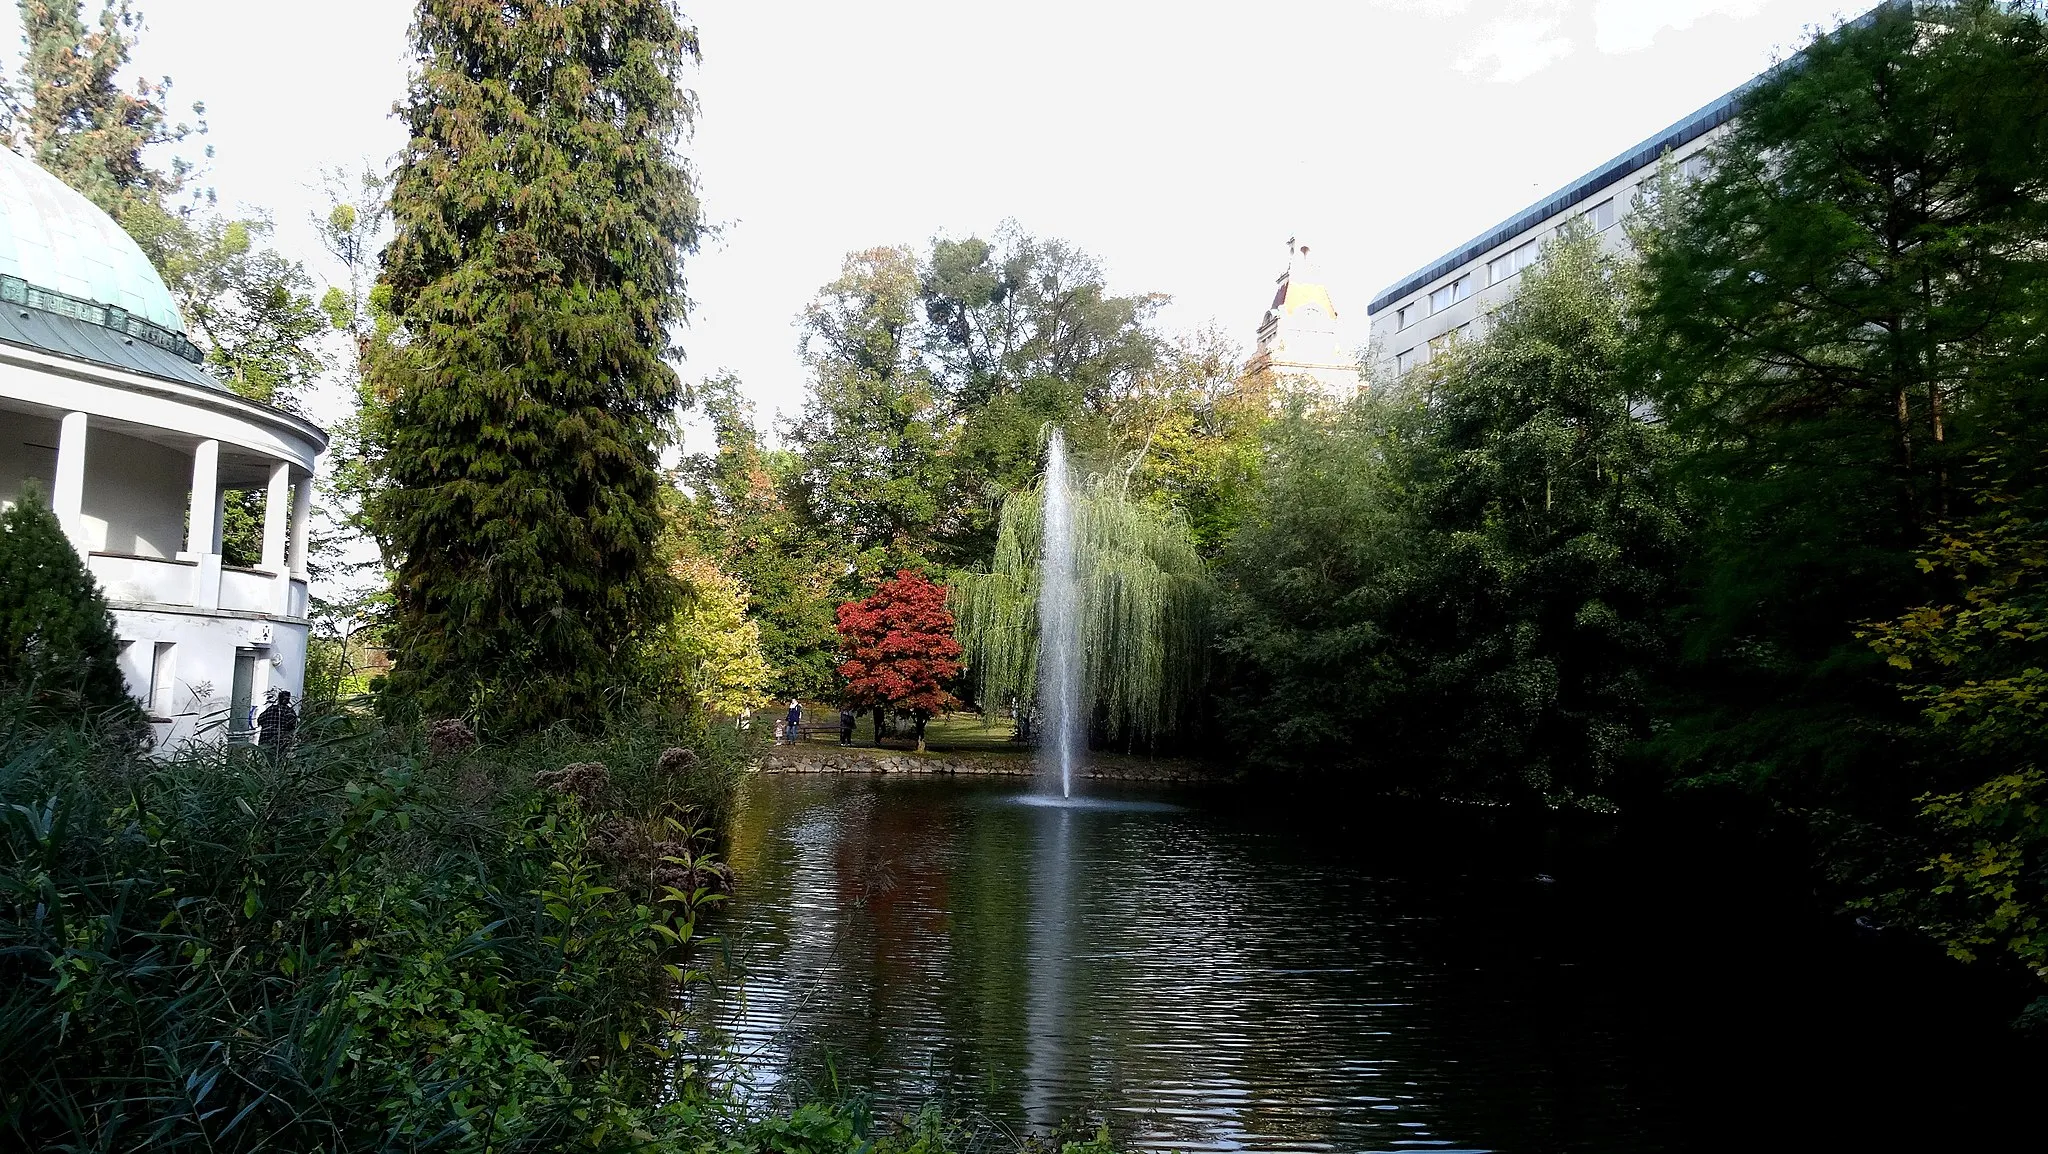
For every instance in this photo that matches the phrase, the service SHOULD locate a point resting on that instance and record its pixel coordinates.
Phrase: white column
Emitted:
(67, 500)
(199, 526)
(203, 526)
(302, 521)
(277, 511)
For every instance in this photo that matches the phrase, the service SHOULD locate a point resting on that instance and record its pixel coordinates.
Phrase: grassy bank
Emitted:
(389, 940)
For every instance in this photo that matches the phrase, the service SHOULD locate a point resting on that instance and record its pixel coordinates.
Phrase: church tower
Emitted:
(1298, 337)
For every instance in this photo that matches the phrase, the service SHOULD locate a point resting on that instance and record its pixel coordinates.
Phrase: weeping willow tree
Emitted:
(1144, 600)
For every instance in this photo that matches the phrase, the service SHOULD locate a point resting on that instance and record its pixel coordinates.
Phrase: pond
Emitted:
(1207, 973)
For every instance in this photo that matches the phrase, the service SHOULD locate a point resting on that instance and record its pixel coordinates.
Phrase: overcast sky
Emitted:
(1181, 142)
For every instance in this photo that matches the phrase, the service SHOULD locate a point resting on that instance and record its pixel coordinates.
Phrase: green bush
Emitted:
(366, 946)
(56, 636)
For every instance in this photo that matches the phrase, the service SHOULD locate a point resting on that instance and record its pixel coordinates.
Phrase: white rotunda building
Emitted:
(103, 401)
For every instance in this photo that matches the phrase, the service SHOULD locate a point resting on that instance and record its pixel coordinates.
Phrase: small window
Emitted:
(1600, 217)
(1406, 315)
(1403, 361)
(1442, 341)
(242, 702)
(162, 666)
(1450, 294)
(1694, 167)
(1506, 265)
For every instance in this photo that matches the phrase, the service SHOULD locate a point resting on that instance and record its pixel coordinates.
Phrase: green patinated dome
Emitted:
(53, 237)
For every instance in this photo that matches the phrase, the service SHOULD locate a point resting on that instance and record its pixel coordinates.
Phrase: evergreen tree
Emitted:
(540, 214)
(1849, 300)
(56, 636)
(79, 123)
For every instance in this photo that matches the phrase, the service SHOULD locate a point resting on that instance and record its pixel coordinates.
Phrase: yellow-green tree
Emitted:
(714, 649)
(1974, 663)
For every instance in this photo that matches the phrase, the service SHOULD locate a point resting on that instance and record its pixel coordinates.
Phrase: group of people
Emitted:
(790, 729)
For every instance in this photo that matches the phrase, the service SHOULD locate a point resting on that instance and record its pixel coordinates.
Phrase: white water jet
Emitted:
(1059, 625)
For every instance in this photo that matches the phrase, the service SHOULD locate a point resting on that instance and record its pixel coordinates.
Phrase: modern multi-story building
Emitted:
(1298, 335)
(104, 403)
(1449, 299)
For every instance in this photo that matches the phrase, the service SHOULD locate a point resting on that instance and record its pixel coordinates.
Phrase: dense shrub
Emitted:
(56, 637)
(360, 947)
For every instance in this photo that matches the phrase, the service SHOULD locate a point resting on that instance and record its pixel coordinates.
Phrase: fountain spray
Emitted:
(1059, 626)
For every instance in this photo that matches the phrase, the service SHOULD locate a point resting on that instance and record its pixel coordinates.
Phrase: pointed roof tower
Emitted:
(1298, 336)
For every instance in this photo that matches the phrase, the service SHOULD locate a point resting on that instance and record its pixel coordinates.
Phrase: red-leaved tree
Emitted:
(900, 650)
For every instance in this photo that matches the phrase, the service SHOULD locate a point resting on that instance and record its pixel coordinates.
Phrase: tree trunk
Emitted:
(878, 727)
(920, 732)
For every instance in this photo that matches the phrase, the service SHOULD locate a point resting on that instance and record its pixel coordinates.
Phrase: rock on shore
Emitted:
(866, 759)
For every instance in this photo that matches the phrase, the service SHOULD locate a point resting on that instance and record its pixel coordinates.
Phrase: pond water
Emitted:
(1205, 973)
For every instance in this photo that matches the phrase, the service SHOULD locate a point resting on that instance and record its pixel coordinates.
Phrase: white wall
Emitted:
(27, 451)
(203, 665)
(136, 495)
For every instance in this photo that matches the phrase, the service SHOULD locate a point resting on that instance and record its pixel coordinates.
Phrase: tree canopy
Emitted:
(540, 216)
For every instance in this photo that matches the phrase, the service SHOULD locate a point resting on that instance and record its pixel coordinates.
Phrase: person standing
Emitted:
(794, 722)
(276, 724)
(846, 716)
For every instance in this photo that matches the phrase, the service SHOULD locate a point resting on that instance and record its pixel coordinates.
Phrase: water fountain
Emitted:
(1059, 626)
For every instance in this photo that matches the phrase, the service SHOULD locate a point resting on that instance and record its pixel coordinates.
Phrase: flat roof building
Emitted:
(1449, 298)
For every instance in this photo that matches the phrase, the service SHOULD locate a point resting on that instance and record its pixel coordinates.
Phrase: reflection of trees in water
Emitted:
(1201, 981)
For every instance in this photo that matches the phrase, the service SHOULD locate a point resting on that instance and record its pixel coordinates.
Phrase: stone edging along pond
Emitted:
(866, 759)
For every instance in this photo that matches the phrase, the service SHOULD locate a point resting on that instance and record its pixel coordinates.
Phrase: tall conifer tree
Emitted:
(540, 215)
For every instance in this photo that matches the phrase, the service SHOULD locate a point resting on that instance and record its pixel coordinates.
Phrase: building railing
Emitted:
(16, 291)
(169, 581)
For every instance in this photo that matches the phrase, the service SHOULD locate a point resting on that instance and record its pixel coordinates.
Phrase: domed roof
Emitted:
(53, 237)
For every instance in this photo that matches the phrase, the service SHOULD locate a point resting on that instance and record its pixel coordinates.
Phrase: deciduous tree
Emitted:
(900, 650)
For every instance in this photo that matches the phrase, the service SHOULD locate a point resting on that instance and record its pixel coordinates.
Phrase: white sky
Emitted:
(1181, 142)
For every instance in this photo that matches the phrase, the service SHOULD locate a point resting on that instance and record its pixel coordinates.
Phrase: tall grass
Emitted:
(362, 946)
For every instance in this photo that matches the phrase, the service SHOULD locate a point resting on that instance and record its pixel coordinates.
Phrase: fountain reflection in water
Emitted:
(1059, 626)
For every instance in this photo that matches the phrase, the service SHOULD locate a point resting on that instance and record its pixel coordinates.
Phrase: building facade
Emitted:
(1450, 298)
(103, 403)
(1298, 336)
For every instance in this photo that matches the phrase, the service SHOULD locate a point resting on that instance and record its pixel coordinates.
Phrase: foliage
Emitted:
(1144, 606)
(712, 646)
(1465, 585)
(1312, 585)
(358, 948)
(1974, 667)
(874, 472)
(251, 309)
(349, 590)
(539, 214)
(737, 506)
(900, 650)
(1844, 303)
(77, 121)
(56, 636)
(1191, 428)
(1020, 332)
(1555, 537)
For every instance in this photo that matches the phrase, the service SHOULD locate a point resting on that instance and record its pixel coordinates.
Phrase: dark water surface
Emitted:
(1205, 973)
